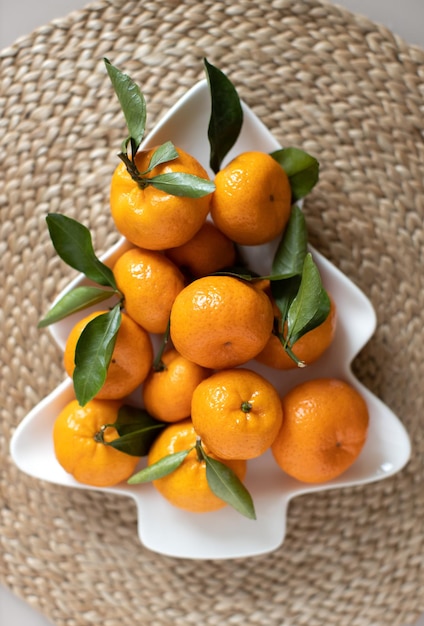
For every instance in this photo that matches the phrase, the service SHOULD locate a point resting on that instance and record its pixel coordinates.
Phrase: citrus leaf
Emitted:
(226, 485)
(166, 152)
(93, 353)
(72, 242)
(311, 305)
(290, 254)
(283, 293)
(132, 103)
(161, 468)
(182, 184)
(75, 300)
(137, 430)
(226, 117)
(301, 168)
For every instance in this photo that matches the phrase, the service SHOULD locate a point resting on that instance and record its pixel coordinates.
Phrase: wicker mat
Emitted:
(340, 87)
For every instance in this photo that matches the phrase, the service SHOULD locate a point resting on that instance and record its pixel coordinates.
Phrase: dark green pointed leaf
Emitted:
(226, 117)
(283, 293)
(290, 255)
(226, 485)
(182, 184)
(137, 430)
(75, 300)
(161, 468)
(163, 154)
(93, 353)
(311, 305)
(72, 241)
(132, 103)
(301, 168)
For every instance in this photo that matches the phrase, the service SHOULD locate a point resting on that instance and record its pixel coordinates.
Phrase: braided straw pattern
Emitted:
(338, 86)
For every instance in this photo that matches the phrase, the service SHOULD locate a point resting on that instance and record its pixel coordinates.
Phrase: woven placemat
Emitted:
(340, 87)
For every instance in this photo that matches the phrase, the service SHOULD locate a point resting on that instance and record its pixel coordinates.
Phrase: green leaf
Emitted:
(161, 468)
(283, 293)
(137, 430)
(132, 103)
(75, 300)
(226, 485)
(72, 242)
(93, 353)
(182, 184)
(226, 117)
(166, 152)
(301, 168)
(290, 255)
(311, 305)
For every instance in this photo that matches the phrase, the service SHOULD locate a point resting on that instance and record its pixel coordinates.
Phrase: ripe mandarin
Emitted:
(187, 487)
(151, 218)
(324, 429)
(78, 447)
(149, 282)
(252, 200)
(131, 358)
(220, 321)
(237, 413)
(167, 392)
(308, 349)
(207, 252)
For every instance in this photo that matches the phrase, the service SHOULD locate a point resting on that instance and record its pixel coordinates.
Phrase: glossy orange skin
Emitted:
(187, 487)
(131, 359)
(167, 393)
(207, 252)
(324, 429)
(220, 321)
(308, 349)
(252, 200)
(237, 413)
(150, 283)
(76, 450)
(153, 219)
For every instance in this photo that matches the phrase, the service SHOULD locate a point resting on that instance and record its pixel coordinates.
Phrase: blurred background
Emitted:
(19, 17)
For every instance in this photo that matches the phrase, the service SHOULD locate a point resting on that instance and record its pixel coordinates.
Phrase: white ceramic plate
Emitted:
(225, 533)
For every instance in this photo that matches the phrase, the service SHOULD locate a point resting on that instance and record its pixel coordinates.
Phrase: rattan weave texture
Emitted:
(340, 87)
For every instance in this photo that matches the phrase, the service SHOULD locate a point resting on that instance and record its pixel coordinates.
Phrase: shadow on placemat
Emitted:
(341, 88)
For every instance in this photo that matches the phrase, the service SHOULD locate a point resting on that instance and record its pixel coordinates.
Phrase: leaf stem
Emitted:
(99, 436)
(199, 450)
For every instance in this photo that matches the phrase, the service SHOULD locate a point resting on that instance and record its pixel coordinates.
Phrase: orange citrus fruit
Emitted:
(308, 349)
(187, 487)
(167, 392)
(149, 282)
(131, 358)
(324, 429)
(77, 433)
(237, 413)
(220, 321)
(151, 218)
(207, 252)
(252, 199)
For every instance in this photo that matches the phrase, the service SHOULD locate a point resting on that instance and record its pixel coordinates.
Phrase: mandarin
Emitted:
(78, 446)
(151, 218)
(220, 321)
(324, 429)
(167, 392)
(131, 358)
(187, 487)
(308, 349)
(207, 252)
(237, 413)
(251, 203)
(149, 282)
